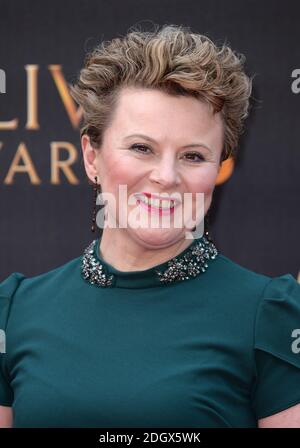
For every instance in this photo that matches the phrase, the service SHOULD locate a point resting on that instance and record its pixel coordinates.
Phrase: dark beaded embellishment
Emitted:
(189, 265)
(92, 270)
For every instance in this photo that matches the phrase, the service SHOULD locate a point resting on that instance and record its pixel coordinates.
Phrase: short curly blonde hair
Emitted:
(170, 58)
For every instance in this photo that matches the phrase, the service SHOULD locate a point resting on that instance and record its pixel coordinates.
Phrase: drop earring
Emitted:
(206, 227)
(97, 190)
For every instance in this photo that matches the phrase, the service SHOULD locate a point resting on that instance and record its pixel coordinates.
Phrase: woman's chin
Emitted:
(155, 238)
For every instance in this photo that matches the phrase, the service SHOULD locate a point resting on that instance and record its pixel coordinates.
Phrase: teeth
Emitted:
(164, 204)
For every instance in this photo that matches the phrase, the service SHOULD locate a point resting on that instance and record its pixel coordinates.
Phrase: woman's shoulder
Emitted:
(232, 274)
(232, 267)
(19, 292)
(17, 282)
(278, 296)
(255, 283)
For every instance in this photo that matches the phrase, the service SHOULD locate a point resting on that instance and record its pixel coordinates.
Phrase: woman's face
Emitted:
(178, 153)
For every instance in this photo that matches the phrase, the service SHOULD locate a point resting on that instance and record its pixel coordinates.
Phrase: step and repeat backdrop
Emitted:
(45, 198)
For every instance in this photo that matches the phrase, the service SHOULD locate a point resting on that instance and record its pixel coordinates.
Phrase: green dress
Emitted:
(217, 350)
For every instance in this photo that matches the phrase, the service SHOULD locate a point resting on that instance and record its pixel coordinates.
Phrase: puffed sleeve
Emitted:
(277, 347)
(7, 290)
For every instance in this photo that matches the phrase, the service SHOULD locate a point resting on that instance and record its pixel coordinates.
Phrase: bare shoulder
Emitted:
(6, 417)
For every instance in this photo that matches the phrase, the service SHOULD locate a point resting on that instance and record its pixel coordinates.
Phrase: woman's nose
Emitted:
(165, 174)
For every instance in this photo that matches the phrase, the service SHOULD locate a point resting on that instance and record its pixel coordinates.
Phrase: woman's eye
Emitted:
(139, 148)
(194, 157)
(191, 157)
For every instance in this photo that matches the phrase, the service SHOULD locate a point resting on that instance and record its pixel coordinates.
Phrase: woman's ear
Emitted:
(89, 157)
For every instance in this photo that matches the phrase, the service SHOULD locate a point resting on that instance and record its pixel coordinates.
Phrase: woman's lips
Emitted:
(157, 210)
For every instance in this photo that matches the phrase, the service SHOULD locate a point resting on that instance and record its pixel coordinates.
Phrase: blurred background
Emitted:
(45, 199)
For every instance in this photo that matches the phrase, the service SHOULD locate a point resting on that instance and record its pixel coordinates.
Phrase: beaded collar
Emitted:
(190, 263)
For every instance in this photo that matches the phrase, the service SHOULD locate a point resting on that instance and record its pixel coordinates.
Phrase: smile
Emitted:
(164, 206)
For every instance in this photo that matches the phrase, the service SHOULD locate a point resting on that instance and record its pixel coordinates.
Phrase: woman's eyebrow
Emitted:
(150, 139)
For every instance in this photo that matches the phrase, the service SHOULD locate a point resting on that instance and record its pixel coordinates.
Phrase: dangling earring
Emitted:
(207, 226)
(97, 190)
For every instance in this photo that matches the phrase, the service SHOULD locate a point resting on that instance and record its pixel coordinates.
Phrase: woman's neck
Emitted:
(126, 254)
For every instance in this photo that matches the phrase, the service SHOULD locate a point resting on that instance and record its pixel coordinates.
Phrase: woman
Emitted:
(148, 327)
